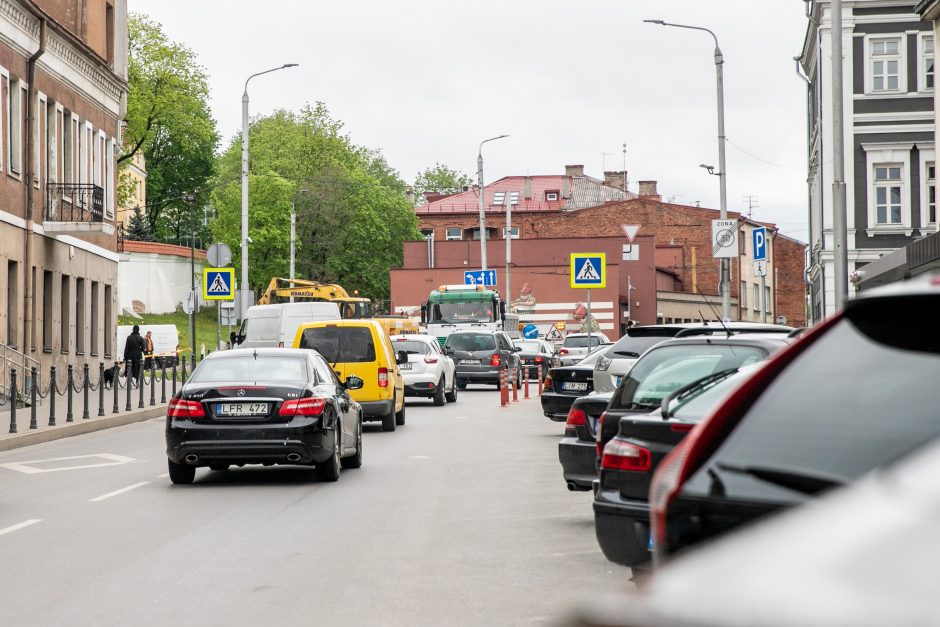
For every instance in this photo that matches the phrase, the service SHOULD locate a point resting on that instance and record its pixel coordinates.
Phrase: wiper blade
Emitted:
(801, 482)
(687, 392)
(635, 405)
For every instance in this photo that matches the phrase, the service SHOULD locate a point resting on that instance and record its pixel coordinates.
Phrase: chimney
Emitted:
(410, 195)
(574, 170)
(466, 188)
(648, 189)
(528, 188)
(434, 196)
(615, 179)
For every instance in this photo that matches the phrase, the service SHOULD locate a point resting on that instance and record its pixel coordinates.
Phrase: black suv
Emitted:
(480, 355)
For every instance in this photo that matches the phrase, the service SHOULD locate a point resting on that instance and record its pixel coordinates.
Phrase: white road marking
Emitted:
(30, 468)
(163, 476)
(419, 457)
(116, 492)
(21, 525)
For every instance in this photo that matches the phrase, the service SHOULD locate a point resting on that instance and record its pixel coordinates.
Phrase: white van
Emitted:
(166, 341)
(276, 325)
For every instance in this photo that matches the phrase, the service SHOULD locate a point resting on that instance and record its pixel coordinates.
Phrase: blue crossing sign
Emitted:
(588, 270)
(479, 277)
(218, 283)
(760, 243)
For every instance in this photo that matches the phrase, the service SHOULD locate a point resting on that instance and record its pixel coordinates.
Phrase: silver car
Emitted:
(577, 346)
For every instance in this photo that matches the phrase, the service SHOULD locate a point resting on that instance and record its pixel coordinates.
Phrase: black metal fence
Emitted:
(112, 385)
(74, 203)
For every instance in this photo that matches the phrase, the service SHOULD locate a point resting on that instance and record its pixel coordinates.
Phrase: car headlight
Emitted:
(602, 363)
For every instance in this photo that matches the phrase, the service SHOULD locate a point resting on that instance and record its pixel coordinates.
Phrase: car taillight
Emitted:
(598, 429)
(548, 383)
(619, 455)
(539, 359)
(186, 410)
(495, 360)
(430, 359)
(576, 418)
(311, 406)
(383, 377)
(563, 351)
(704, 438)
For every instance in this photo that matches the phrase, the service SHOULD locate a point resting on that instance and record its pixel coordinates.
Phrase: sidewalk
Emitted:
(94, 422)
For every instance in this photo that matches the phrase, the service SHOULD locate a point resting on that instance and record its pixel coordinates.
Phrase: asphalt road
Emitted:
(460, 517)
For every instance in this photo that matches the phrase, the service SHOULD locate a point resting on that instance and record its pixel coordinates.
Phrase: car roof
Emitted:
(356, 322)
(772, 343)
(400, 337)
(927, 284)
(475, 331)
(261, 352)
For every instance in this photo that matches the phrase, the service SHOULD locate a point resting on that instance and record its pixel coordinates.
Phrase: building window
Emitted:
(68, 147)
(930, 169)
(743, 294)
(885, 60)
(108, 331)
(499, 198)
(756, 294)
(514, 232)
(454, 233)
(33, 311)
(888, 185)
(15, 126)
(926, 63)
(13, 300)
(47, 292)
(742, 243)
(475, 233)
(767, 307)
(551, 195)
(80, 316)
(427, 233)
(66, 308)
(95, 322)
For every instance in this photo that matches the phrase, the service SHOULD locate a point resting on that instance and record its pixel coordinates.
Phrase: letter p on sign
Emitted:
(760, 243)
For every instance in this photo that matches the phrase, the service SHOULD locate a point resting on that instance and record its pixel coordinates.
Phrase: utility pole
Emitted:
(482, 211)
(839, 217)
(191, 200)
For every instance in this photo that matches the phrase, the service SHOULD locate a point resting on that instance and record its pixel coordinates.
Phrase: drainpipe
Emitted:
(31, 134)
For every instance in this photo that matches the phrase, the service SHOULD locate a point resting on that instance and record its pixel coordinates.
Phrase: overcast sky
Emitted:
(426, 80)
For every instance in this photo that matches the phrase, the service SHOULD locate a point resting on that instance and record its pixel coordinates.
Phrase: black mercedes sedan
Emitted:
(563, 385)
(264, 406)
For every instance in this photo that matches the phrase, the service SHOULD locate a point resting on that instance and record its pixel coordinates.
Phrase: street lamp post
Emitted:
(293, 235)
(191, 200)
(482, 214)
(244, 241)
(722, 174)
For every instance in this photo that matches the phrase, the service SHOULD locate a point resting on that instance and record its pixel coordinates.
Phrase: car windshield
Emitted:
(412, 347)
(664, 370)
(591, 359)
(340, 344)
(249, 368)
(707, 392)
(582, 341)
(471, 342)
(529, 347)
(453, 312)
(862, 395)
(261, 329)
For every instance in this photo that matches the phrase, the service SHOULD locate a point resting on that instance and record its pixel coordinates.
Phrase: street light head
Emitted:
(290, 65)
(660, 22)
(710, 168)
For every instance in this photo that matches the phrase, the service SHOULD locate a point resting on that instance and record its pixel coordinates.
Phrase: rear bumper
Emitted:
(578, 461)
(248, 444)
(478, 375)
(622, 527)
(555, 406)
(375, 410)
(421, 388)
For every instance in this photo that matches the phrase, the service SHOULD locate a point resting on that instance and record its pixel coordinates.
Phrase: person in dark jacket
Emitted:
(134, 352)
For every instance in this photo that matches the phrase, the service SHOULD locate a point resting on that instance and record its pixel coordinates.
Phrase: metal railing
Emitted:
(74, 203)
(11, 358)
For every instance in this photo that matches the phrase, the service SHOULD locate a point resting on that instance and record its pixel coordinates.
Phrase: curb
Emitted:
(48, 434)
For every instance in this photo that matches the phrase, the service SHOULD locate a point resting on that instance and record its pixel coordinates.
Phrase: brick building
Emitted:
(685, 274)
(63, 94)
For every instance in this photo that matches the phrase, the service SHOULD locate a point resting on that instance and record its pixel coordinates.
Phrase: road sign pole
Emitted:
(218, 324)
(588, 319)
(763, 295)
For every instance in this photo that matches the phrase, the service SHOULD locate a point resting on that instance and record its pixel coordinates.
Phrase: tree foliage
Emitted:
(352, 215)
(440, 179)
(168, 119)
(138, 227)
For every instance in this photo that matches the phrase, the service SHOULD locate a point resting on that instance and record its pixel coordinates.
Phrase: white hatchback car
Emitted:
(577, 346)
(428, 371)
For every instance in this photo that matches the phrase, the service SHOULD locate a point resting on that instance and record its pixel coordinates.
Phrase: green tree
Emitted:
(168, 119)
(138, 227)
(352, 220)
(440, 179)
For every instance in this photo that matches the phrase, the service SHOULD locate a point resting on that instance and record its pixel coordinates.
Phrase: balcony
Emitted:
(75, 209)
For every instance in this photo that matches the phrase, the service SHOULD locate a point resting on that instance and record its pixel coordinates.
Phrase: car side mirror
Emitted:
(516, 349)
(402, 358)
(450, 352)
(353, 382)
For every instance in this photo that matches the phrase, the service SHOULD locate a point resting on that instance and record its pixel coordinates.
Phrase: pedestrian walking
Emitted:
(134, 353)
(148, 351)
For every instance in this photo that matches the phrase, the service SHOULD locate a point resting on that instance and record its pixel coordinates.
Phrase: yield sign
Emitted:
(630, 230)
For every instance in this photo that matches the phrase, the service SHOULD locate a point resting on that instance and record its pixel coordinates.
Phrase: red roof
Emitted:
(468, 202)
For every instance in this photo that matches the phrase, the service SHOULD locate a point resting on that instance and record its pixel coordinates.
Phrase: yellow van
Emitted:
(362, 348)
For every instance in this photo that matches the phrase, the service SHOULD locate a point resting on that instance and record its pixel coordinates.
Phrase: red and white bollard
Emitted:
(541, 381)
(525, 374)
(515, 390)
(503, 389)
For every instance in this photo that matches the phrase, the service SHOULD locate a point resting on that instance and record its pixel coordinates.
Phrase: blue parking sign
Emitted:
(760, 243)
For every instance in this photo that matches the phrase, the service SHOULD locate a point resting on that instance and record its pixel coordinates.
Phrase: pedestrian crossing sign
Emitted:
(218, 283)
(588, 270)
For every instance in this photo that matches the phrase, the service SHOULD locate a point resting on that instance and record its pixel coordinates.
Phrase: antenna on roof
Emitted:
(751, 201)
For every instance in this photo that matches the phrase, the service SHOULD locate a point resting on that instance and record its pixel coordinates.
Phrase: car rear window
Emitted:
(628, 346)
(860, 396)
(664, 370)
(471, 342)
(250, 368)
(529, 347)
(581, 341)
(340, 344)
(412, 347)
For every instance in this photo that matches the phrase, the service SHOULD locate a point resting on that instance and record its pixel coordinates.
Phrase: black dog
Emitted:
(109, 378)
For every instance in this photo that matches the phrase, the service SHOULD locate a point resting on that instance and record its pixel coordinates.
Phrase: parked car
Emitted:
(577, 450)
(537, 354)
(361, 347)
(428, 372)
(621, 506)
(565, 384)
(853, 394)
(610, 371)
(576, 346)
(480, 355)
(264, 406)
(268, 326)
